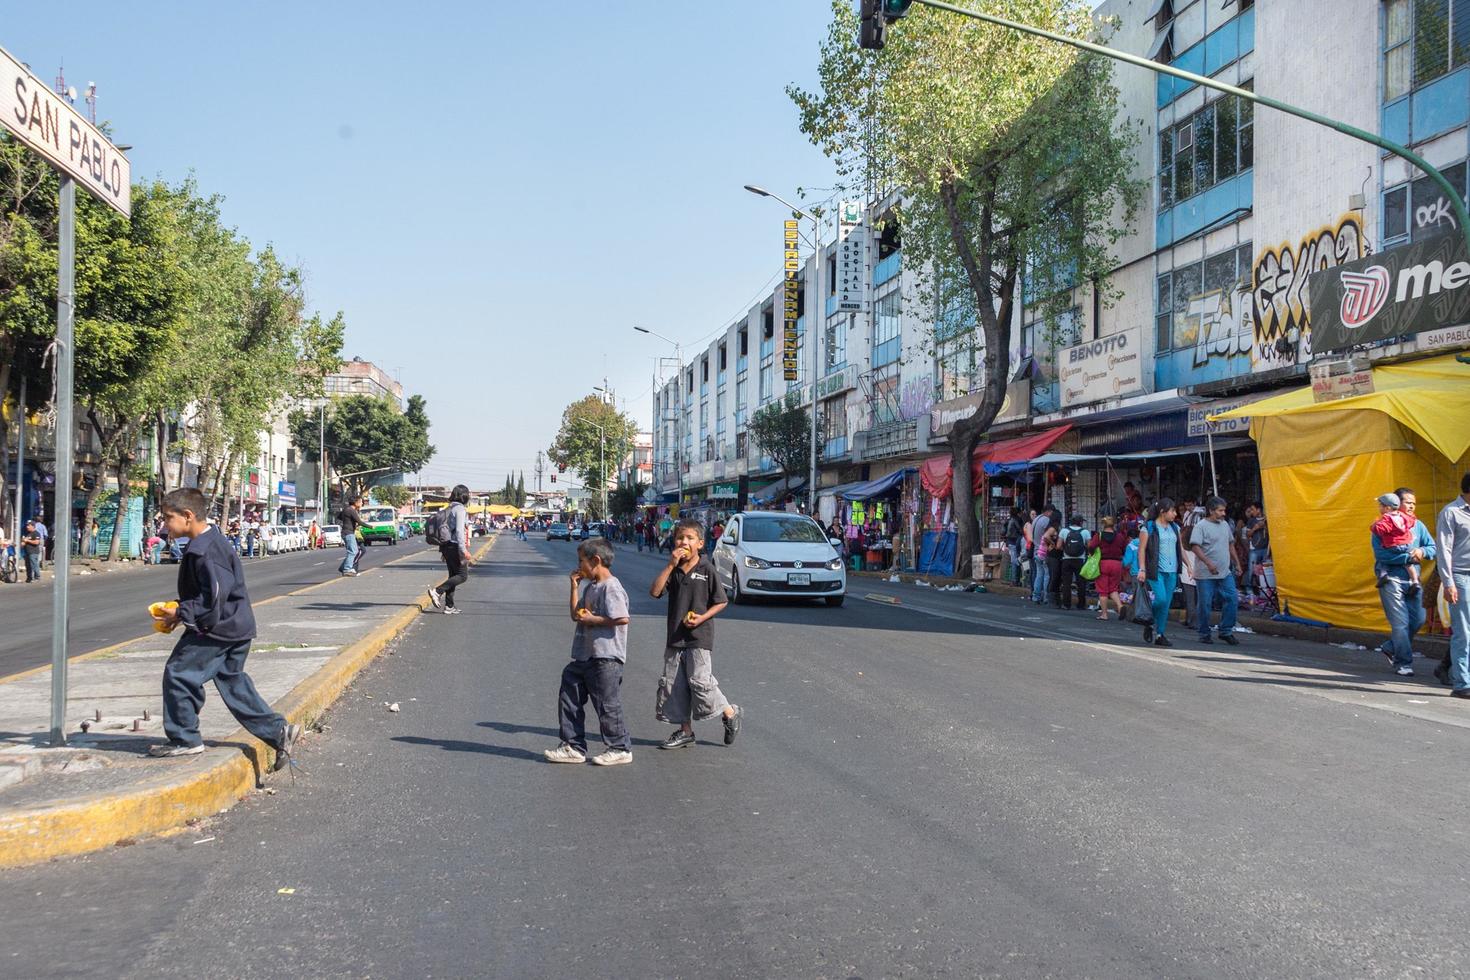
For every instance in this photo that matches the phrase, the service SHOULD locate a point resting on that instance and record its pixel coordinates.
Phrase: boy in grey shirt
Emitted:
(599, 650)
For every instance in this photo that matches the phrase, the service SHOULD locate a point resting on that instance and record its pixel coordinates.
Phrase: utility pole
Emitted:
(20, 462)
(65, 453)
(538, 471)
(321, 462)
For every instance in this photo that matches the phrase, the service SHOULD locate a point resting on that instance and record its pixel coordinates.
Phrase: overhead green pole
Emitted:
(1456, 200)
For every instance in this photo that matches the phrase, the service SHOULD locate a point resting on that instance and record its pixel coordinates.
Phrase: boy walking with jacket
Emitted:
(688, 691)
(219, 624)
(599, 651)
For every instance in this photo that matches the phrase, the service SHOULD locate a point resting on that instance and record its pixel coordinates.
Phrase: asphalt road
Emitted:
(912, 795)
(111, 606)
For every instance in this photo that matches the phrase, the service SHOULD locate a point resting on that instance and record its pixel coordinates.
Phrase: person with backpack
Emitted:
(1162, 554)
(1073, 547)
(450, 530)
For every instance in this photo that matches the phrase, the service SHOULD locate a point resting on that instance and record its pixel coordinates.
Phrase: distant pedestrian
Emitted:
(688, 691)
(1074, 542)
(455, 550)
(1162, 554)
(1042, 566)
(214, 609)
(1216, 563)
(1258, 545)
(1111, 543)
(1452, 541)
(599, 652)
(1401, 607)
(1015, 540)
(31, 543)
(351, 521)
(44, 553)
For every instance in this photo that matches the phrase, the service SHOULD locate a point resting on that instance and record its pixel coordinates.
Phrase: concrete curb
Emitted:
(199, 788)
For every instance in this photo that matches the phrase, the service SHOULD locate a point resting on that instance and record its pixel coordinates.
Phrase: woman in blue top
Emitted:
(1163, 557)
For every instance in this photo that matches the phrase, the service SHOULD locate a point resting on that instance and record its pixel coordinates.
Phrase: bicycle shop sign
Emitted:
(49, 124)
(1103, 368)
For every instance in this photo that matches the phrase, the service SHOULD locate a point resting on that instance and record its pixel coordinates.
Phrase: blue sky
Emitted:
(492, 199)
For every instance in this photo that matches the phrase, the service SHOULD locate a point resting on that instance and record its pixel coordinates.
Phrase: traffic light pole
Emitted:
(1398, 150)
(65, 454)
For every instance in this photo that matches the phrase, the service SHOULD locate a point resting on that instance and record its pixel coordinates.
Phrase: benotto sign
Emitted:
(1103, 368)
(1418, 287)
(48, 124)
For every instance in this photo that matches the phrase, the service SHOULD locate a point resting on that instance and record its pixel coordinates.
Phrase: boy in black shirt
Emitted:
(218, 627)
(688, 691)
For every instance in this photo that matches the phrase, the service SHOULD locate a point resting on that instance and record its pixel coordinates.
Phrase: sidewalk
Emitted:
(102, 787)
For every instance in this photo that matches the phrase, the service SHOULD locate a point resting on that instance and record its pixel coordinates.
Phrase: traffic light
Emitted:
(876, 16)
(553, 478)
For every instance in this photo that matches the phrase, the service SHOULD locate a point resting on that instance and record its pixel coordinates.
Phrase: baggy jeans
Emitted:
(1040, 579)
(599, 681)
(1405, 616)
(349, 560)
(197, 659)
(1208, 588)
(1460, 641)
(688, 690)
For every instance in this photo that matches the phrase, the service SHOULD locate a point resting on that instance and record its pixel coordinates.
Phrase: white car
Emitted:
(332, 535)
(281, 538)
(776, 554)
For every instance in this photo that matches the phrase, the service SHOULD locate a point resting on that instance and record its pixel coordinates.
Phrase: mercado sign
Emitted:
(1103, 368)
(1418, 287)
(47, 123)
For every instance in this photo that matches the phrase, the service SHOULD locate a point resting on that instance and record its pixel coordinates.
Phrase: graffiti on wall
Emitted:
(1226, 327)
(916, 398)
(1436, 216)
(1279, 295)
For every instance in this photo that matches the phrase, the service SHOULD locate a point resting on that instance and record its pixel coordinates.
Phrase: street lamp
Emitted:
(678, 405)
(816, 243)
(602, 462)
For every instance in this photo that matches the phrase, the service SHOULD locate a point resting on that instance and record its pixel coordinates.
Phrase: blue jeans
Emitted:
(1460, 641)
(1208, 588)
(1015, 569)
(1405, 615)
(197, 659)
(33, 565)
(1040, 579)
(1163, 588)
(1254, 557)
(350, 559)
(601, 682)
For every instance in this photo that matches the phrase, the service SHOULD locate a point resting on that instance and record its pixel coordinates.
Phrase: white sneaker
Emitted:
(173, 750)
(613, 757)
(1405, 671)
(564, 753)
(451, 612)
(436, 597)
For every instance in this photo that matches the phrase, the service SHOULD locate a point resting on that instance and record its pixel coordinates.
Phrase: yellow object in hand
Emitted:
(690, 617)
(158, 611)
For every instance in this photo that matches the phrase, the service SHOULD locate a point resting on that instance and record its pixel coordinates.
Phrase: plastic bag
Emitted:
(1092, 567)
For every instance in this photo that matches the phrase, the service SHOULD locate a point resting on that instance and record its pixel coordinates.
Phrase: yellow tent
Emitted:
(1323, 464)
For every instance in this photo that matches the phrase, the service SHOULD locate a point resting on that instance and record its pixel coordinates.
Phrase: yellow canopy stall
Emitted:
(1323, 464)
(495, 510)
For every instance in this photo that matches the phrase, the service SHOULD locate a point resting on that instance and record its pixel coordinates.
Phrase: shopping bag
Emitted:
(1092, 567)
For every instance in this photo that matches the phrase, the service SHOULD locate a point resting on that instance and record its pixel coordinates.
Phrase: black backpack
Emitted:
(436, 527)
(1074, 545)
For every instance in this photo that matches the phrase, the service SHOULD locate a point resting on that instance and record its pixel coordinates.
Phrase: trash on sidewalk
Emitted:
(1350, 646)
(895, 577)
(922, 583)
(393, 706)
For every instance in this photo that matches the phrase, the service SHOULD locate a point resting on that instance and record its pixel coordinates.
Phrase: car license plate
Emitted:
(798, 578)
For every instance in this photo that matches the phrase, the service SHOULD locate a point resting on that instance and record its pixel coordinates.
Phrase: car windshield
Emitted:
(377, 515)
(799, 530)
(558, 526)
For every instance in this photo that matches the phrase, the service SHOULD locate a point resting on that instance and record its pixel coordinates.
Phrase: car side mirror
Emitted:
(835, 542)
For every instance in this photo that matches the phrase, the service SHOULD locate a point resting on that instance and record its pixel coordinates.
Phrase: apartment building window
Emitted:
(1177, 314)
(834, 419)
(836, 346)
(956, 367)
(888, 330)
(765, 380)
(1413, 211)
(720, 418)
(741, 389)
(741, 447)
(1210, 146)
(885, 394)
(1423, 40)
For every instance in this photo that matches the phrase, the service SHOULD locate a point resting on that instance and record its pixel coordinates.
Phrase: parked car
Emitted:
(332, 535)
(379, 524)
(557, 530)
(775, 554)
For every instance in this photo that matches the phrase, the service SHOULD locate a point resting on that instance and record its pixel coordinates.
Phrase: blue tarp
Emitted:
(872, 488)
(936, 553)
(1010, 469)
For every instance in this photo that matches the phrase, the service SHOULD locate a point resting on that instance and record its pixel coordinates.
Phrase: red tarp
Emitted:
(937, 475)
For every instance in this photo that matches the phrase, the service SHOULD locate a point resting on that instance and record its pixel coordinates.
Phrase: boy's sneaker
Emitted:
(174, 749)
(677, 740)
(564, 753)
(290, 735)
(732, 725)
(613, 757)
(1404, 671)
(436, 597)
(451, 611)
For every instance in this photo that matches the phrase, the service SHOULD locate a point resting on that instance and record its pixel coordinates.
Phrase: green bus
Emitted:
(379, 524)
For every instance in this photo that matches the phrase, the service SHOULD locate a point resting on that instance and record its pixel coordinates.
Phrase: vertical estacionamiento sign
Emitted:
(791, 301)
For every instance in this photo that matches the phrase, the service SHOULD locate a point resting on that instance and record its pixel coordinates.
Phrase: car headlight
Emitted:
(835, 565)
(752, 562)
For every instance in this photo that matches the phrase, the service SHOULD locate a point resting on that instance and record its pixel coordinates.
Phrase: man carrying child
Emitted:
(688, 691)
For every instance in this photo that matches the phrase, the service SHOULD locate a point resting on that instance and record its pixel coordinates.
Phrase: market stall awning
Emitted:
(878, 487)
(836, 491)
(778, 490)
(1432, 397)
(937, 474)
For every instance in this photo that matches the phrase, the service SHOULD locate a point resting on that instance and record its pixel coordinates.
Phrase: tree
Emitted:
(579, 446)
(784, 432)
(520, 500)
(366, 437)
(392, 494)
(1007, 151)
(623, 501)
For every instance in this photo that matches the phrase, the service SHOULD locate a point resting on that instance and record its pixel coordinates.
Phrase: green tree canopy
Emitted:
(367, 437)
(783, 432)
(578, 444)
(1008, 153)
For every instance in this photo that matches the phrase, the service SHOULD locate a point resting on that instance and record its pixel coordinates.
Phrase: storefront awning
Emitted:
(1431, 396)
(937, 475)
(778, 490)
(878, 487)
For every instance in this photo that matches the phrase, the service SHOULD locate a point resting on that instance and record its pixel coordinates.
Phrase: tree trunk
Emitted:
(160, 444)
(89, 507)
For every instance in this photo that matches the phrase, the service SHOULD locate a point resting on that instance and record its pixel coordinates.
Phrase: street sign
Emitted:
(1343, 378)
(852, 257)
(48, 124)
(1412, 289)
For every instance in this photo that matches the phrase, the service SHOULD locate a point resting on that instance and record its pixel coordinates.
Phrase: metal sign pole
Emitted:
(818, 317)
(20, 465)
(65, 453)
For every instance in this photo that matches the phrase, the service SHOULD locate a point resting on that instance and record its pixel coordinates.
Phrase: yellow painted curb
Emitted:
(198, 788)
